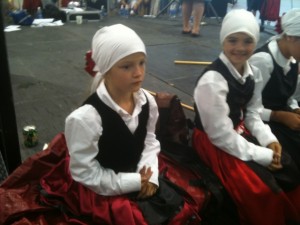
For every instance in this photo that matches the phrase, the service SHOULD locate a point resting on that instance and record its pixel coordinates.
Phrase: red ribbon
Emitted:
(89, 63)
(278, 27)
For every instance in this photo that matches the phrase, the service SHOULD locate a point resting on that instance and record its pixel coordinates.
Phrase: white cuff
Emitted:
(266, 114)
(130, 182)
(263, 156)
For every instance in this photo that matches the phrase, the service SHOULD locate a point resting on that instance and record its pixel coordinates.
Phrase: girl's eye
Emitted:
(142, 63)
(246, 41)
(232, 41)
(249, 41)
(126, 67)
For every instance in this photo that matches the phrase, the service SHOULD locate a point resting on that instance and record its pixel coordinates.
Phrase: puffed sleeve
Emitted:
(152, 146)
(264, 62)
(210, 97)
(82, 130)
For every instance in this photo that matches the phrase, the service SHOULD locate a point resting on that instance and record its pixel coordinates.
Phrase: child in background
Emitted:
(278, 61)
(231, 138)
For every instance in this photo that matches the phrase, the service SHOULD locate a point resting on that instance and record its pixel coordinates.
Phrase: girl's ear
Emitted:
(290, 38)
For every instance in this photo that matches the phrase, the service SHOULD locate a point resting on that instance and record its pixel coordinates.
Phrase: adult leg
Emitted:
(187, 7)
(136, 6)
(198, 10)
(248, 4)
(262, 15)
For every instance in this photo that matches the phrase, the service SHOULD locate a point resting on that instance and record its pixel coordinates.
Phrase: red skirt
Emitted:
(19, 193)
(64, 3)
(257, 204)
(84, 206)
(24, 201)
(31, 6)
(82, 203)
(270, 10)
(42, 191)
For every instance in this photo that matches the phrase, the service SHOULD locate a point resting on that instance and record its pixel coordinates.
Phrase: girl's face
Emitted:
(294, 47)
(238, 47)
(127, 75)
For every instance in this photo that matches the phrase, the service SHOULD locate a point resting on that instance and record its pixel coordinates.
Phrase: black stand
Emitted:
(9, 140)
(209, 5)
(166, 7)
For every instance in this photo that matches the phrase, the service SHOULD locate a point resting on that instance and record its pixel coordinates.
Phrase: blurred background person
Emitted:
(193, 8)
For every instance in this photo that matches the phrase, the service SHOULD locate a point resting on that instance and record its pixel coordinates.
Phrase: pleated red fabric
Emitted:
(255, 201)
(41, 191)
(80, 202)
(19, 193)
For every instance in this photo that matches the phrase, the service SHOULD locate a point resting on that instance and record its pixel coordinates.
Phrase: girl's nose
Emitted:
(139, 70)
(240, 45)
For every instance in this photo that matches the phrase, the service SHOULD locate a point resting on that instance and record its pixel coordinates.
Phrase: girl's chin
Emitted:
(136, 87)
(240, 60)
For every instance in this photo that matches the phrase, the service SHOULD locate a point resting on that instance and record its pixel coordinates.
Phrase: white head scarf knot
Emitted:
(109, 45)
(239, 20)
(290, 22)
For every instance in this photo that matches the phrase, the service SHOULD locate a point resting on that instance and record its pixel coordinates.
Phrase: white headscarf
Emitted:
(109, 45)
(239, 20)
(290, 22)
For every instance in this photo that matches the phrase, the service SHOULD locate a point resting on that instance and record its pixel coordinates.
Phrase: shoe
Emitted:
(195, 35)
(186, 32)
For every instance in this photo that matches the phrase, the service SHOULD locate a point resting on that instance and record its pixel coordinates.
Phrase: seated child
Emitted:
(231, 138)
(104, 168)
(278, 60)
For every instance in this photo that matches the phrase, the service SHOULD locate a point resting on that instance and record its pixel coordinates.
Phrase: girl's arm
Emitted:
(152, 146)
(83, 130)
(264, 62)
(253, 120)
(210, 97)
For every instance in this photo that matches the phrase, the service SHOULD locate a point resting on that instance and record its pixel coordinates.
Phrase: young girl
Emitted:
(104, 168)
(113, 151)
(278, 61)
(232, 139)
(117, 89)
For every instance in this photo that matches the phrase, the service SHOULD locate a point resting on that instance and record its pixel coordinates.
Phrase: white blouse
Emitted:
(264, 62)
(210, 98)
(83, 129)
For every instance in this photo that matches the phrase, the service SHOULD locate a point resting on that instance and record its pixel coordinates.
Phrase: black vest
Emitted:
(238, 96)
(119, 149)
(280, 87)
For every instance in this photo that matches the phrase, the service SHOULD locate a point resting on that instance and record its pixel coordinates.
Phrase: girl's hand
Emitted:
(289, 119)
(147, 188)
(146, 173)
(297, 111)
(276, 162)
